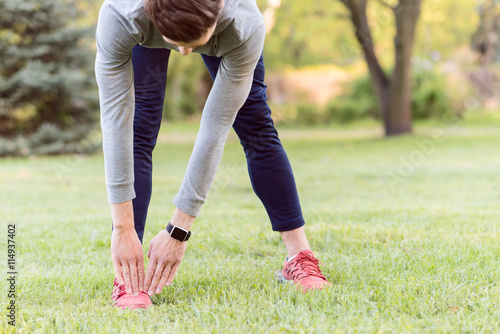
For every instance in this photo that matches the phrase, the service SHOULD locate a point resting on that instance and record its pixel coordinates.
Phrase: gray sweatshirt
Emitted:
(238, 39)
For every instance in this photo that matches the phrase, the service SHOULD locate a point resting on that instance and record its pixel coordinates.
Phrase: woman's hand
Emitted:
(165, 255)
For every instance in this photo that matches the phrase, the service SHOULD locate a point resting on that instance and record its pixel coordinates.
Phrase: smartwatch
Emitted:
(178, 233)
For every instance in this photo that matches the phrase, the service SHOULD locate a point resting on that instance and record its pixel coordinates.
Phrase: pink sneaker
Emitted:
(303, 270)
(125, 300)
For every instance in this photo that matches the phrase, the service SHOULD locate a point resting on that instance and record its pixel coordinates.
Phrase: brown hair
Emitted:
(183, 20)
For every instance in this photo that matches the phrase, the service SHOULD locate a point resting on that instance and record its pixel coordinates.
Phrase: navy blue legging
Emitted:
(268, 166)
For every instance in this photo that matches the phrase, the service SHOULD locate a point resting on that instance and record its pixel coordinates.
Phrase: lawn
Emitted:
(406, 229)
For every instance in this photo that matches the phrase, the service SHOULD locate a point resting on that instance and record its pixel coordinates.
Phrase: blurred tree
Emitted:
(393, 93)
(317, 29)
(486, 39)
(46, 78)
(302, 33)
(444, 27)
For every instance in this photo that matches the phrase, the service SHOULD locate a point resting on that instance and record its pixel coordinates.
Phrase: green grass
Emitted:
(410, 252)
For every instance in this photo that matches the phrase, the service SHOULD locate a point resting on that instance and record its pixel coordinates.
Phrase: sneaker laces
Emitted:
(305, 264)
(119, 290)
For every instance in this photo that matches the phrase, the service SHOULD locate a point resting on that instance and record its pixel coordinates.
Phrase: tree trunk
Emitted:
(380, 82)
(393, 94)
(398, 119)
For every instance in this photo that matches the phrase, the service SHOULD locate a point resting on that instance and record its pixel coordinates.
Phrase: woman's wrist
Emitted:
(122, 215)
(182, 219)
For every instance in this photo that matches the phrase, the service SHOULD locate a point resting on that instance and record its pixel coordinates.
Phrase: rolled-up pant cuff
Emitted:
(288, 226)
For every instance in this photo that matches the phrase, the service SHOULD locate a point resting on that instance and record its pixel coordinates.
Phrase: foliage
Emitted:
(356, 102)
(431, 97)
(316, 32)
(485, 39)
(307, 32)
(445, 26)
(309, 114)
(46, 79)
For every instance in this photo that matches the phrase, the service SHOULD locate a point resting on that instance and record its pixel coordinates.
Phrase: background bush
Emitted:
(356, 102)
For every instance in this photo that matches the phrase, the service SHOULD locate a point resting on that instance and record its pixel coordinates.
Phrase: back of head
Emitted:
(183, 20)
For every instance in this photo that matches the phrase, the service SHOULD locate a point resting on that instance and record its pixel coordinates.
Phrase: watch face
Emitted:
(178, 233)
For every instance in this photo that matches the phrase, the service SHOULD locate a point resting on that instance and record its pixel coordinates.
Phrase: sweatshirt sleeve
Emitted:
(230, 90)
(114, 74)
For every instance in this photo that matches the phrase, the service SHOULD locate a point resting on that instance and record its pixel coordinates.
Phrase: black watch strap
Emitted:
(178, 233)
